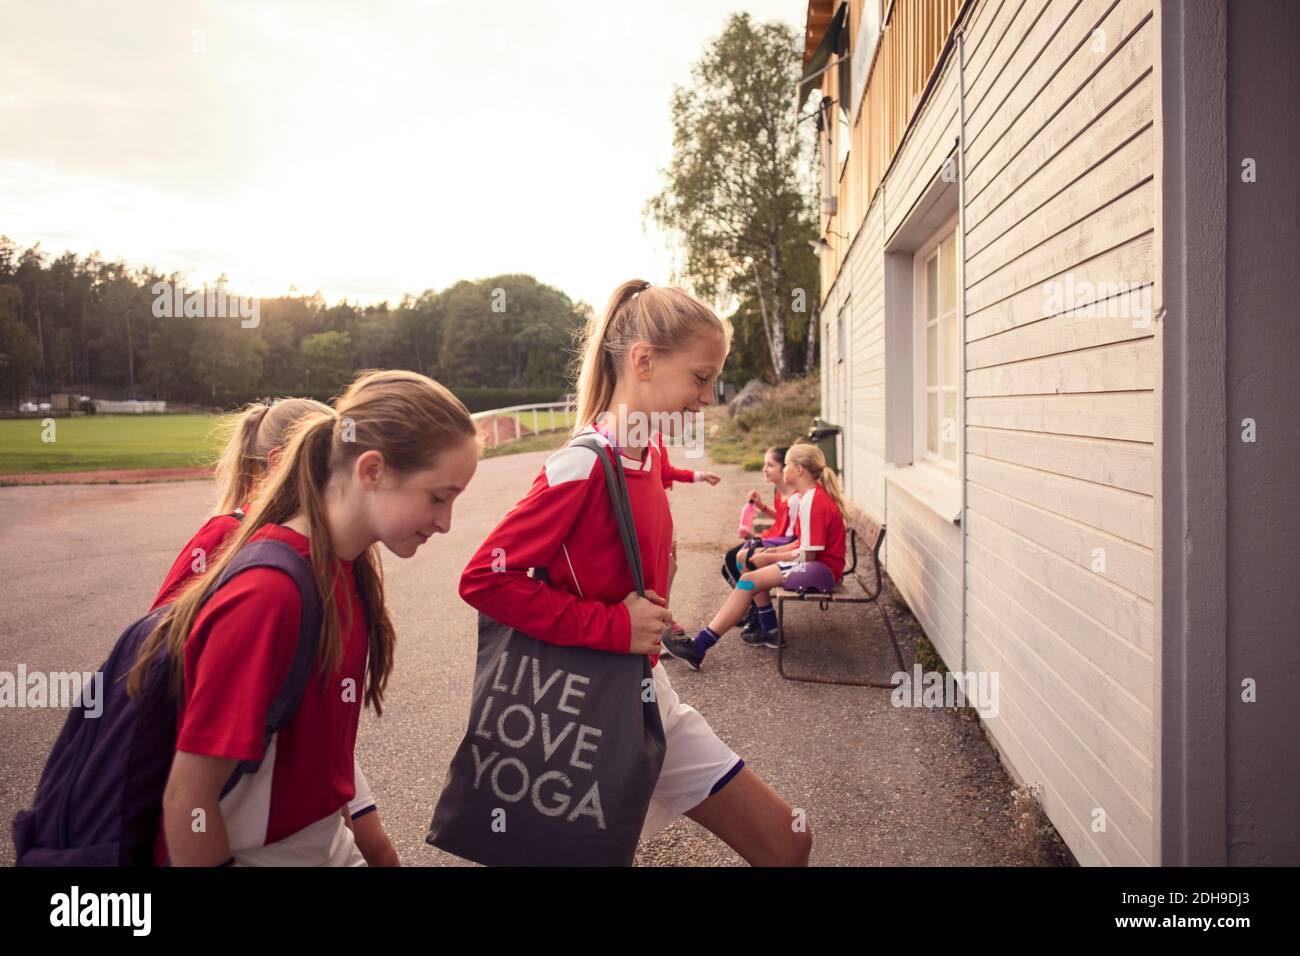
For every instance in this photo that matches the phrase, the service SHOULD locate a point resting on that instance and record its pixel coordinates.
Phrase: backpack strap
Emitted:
(616, 485)
(268, 553)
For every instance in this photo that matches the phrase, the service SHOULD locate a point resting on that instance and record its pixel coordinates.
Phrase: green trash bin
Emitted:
(826, 437)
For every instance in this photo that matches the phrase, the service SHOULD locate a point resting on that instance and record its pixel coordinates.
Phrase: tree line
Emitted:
(78, 323)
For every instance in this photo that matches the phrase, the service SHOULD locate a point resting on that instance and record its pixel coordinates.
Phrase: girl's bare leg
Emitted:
(753, 820)
(737, 603)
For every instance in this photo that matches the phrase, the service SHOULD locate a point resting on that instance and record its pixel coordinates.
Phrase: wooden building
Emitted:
(1027, 208)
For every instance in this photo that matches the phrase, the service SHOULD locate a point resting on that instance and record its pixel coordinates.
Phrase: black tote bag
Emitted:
(564, 745)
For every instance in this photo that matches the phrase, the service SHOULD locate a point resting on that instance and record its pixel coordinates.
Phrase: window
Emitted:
(825, 139)
(923, 343)
(938, 356)
(864, 45)
(843, 90)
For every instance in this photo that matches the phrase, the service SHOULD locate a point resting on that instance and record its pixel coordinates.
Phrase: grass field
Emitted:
(98, 442)
(546, 441)
(112, 442)
(546, 420)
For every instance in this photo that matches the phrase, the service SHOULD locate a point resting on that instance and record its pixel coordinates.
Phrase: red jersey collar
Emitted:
(629, 464)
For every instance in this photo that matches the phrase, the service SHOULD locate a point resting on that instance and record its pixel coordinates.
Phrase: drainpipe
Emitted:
(961, 263)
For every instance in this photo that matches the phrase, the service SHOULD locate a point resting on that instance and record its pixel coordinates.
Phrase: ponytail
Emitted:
(598, 373)
(831, 485)
(238, 467)
(258, 430)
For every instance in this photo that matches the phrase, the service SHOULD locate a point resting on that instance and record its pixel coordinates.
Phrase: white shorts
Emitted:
(695, 759)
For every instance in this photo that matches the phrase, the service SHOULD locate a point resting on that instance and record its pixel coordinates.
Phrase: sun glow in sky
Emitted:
(364, 150)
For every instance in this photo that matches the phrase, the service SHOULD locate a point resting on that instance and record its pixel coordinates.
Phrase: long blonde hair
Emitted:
(407, 418)
(814, 462)
(255, 431)
(666, 317)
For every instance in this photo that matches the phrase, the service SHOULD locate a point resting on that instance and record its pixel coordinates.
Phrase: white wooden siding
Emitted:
(1059, 454)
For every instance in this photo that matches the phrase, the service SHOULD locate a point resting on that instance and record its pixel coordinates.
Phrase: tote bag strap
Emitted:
(616, 483)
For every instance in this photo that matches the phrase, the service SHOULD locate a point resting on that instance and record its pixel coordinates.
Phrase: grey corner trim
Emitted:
(1191, 587)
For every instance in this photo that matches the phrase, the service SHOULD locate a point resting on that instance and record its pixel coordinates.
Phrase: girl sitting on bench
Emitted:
(773, 468)
(814, 563)
(784, 529)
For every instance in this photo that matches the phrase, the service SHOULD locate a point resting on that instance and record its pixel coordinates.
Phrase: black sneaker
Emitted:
(684, 649)
(770, 638)
(751, 638)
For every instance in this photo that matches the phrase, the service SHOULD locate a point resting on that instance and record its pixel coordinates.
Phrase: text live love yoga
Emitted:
(514, 724)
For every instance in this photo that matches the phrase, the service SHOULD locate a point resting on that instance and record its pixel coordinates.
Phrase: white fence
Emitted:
(552, 415)
(130, 407)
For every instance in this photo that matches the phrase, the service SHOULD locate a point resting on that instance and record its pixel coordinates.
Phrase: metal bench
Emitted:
(851, 590)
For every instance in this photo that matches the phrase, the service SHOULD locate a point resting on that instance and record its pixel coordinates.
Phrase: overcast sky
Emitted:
(360, 149)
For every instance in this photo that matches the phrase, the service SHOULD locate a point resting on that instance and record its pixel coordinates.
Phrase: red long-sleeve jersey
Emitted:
(566, 525)
(670, 473)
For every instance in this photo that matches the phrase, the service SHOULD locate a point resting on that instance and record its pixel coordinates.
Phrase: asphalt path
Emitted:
(880, 785)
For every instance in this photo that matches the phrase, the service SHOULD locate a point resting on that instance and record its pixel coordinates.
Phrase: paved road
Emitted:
(881, 785)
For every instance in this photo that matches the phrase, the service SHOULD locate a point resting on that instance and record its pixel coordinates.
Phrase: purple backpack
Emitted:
(99, 800)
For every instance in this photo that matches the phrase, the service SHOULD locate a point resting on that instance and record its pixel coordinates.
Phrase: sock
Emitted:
(751, 616)
(767, 618)
(704, 640)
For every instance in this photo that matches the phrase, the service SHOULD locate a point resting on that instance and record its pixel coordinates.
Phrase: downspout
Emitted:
(961, 218)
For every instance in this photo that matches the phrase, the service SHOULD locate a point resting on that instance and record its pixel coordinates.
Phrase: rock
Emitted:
(754, 393)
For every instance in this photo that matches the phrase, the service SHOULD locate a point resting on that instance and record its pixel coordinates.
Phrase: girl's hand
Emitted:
(763, 559)
(708, 476)
(649, 617)
(771, 556)
(754, 498)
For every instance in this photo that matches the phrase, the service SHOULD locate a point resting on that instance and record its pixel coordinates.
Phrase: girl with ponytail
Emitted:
(815, 561)
(257, 434)
(648, 365)
(384, 466)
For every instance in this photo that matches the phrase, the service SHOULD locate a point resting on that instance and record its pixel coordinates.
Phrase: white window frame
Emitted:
(921, 323)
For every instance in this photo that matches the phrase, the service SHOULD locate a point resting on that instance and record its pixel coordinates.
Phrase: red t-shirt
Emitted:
(237, 657)
(208, 540)
(780, 519)
(565, 525)
(822, 530)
